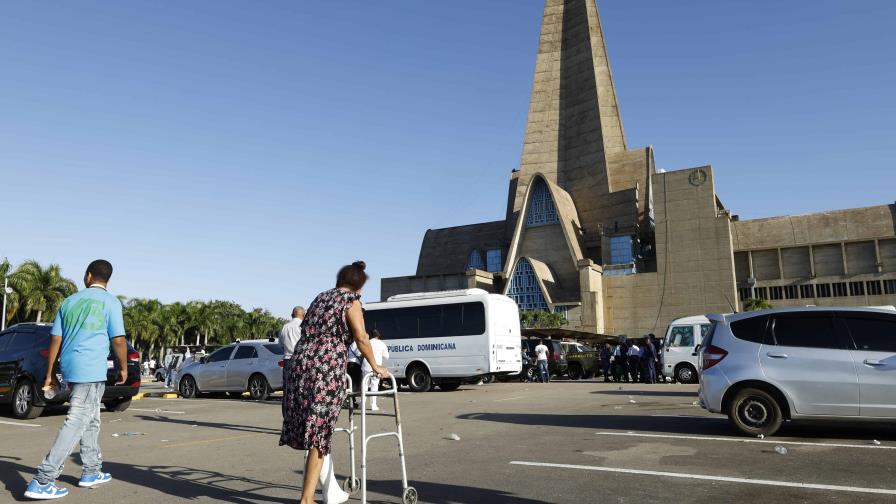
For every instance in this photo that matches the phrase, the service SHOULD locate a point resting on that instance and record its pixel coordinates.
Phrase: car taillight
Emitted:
(554, 356)
(135, 384)
(45, 353)
(713, 355)
(134, 356)
(281, 363)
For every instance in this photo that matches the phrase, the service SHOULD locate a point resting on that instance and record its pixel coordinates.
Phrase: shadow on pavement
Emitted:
(688, 425)
(659, 393)
(214, 425)
(12, 479)
(440, 493)
(186, 483)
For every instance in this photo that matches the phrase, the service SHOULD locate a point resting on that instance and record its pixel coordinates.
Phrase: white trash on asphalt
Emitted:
(780, 450)
(454, 437)
(875, 442)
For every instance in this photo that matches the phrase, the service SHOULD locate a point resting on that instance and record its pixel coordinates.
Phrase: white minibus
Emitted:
(444, 338)
(680, 347)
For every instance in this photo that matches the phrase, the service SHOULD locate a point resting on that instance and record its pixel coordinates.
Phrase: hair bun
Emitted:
(360, 264)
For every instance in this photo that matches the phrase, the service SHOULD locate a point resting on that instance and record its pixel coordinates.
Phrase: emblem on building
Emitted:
(697, 177)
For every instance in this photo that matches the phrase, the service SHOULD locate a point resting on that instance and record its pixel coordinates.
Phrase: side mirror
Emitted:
(203, 359)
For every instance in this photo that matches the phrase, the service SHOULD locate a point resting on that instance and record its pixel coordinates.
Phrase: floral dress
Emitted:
(314, 390)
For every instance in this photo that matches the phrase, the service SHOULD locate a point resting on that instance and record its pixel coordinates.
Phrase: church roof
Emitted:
(445, 251)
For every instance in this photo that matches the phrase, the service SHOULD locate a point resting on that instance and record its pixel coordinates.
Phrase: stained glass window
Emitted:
(524, 288)
(475, 260)
(493, 260)
(541, 206)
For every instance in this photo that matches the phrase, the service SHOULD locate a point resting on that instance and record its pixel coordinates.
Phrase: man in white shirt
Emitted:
(380, 354)
(634, 361)
(541, 357)
(290, 335)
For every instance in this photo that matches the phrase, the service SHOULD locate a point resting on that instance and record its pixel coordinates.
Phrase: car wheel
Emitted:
(419, 379)
(117, 405)
(574, 372)
(488, 379)
(685, 373)
(755, 412)
(188, 388)
(448, 386)
(23, 406)
(258, 388)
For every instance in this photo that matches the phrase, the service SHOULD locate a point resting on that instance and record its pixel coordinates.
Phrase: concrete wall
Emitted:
(695, 262)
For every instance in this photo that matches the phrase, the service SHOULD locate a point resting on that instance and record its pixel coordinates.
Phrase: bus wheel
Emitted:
(419, 379)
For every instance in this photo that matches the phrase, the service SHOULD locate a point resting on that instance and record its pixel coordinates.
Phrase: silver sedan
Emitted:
(245, 366)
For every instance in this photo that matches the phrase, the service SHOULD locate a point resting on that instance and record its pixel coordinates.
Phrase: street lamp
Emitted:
(6, 290)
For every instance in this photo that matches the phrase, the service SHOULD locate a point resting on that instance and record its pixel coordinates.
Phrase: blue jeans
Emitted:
(82, 424)
(543, 371)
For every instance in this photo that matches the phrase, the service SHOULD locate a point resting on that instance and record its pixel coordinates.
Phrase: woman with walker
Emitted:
(315, 387)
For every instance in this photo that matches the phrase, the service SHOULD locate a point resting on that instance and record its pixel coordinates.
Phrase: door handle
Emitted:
(776, 355)
(873, 362)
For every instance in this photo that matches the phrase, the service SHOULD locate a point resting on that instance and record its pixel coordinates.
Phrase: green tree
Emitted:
(40, 290)
(752, 304)
(539, 319)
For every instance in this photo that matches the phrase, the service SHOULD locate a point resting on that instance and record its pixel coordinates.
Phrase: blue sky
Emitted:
(244, 151)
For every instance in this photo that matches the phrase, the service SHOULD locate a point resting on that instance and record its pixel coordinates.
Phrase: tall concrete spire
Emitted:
(574, 121)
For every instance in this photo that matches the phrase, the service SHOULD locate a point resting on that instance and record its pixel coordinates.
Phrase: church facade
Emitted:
(595, 231)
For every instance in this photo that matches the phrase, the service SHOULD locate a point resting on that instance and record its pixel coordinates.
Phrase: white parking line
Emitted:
(690, 416)
(746, 440)
(20, 424)
(792, 484)
(158, 411)
(510, 398)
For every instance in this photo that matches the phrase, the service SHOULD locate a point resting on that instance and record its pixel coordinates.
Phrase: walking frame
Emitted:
(352, 483)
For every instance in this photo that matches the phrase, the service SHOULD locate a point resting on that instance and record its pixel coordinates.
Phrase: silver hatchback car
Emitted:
(764, 367)
(255, 366)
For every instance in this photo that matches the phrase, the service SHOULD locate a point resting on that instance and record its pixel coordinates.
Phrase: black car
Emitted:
(557, 364)
(23, 365)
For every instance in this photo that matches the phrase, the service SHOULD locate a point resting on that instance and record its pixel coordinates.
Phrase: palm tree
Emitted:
(40, 290)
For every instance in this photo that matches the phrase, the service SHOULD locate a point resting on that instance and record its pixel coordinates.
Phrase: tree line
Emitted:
(152, 327)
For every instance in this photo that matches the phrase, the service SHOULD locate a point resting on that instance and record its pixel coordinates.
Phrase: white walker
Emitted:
(443, 338)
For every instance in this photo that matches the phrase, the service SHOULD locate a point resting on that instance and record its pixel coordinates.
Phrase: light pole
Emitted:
(6, 291)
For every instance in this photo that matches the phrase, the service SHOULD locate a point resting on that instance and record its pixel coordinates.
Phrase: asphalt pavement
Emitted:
(563, 442)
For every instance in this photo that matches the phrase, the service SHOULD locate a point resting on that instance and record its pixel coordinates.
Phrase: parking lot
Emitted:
(566, 441)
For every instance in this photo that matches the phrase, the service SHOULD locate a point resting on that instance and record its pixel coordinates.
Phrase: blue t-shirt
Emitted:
(87, 321)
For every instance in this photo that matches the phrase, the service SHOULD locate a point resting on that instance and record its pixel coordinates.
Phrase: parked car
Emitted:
(765, 367)
(683, 336)
(557, 364)
(24, 349)
(582, 360)
(255, 366)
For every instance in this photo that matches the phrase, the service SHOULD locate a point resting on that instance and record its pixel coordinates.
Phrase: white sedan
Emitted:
(254, 366)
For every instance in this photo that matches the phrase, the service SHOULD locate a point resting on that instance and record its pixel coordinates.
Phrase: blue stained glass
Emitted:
(620, 249)
(541, 206)
(493, 260)
(524, 288)
(475, 260)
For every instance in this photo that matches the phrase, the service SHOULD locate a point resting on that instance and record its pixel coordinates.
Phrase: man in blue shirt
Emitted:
(84, 327)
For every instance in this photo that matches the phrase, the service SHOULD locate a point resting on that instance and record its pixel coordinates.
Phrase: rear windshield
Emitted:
(750, 329)
(275, 348)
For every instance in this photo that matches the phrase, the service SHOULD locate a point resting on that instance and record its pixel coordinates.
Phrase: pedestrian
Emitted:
(290, 334)
(87, 324)
(606, 353)
(145, 368)
(171, 370)
(353, 368)
(380, 354)
(648, 359)
(315, 388)
(634, 361)
(620, 360)
(661, 378)
(541, 353)
(526, 361)
(152, 365)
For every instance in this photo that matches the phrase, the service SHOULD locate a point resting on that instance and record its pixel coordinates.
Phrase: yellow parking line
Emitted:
(209, 441)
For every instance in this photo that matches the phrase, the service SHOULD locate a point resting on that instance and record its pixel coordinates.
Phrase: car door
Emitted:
(213, 374)
(806, 358)
(7, 365)
(241, 366)
(874, 355)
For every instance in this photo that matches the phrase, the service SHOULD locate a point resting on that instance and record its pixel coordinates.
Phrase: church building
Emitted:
(593, 230)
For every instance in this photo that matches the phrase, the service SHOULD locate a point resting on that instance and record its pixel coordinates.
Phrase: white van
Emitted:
(443, 338)
(680, 347)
